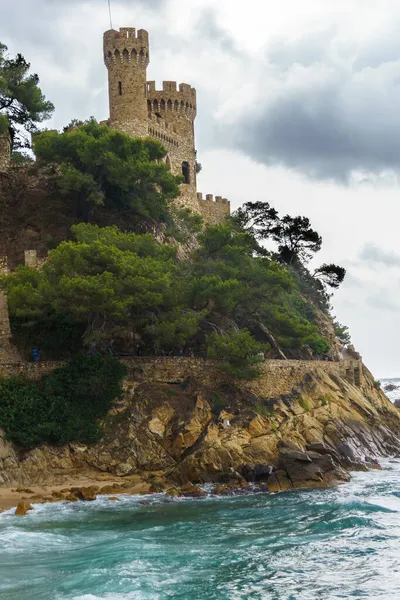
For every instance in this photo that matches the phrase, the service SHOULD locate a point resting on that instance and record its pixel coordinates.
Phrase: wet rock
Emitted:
(279, 482)
(192, 491)
(110, 489)
(21, 490)
(72, 498)
(258, 472)
(113, 499)
(57, 495)
(88, 494)
(22, 508)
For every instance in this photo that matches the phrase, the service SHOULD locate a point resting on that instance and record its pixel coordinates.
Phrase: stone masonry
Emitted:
(7, 351)
(138, 109)
(5, 153)
(278, 377)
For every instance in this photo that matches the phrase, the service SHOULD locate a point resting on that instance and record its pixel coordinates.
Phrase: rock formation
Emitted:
(167, 429)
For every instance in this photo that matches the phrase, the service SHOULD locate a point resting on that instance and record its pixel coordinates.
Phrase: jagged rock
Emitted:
(22, 508)
(88, 494)
(72, 498)
(259, 472)
(192, 491)
(111, 489)
(279, 482)
(397, 403)
(299, 436)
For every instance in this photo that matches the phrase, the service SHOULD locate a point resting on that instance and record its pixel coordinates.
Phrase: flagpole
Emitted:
(109, 11)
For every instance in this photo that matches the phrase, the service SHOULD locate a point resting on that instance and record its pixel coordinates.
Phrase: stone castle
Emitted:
(138, 109)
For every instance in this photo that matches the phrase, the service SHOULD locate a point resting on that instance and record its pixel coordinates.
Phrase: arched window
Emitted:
(186, 172)
(169, 105)
(149, 107)
(168, 163)
(120, 88)
(134, 55)
(125, 55)
(162, 104)
(155, 106)
(117, 56)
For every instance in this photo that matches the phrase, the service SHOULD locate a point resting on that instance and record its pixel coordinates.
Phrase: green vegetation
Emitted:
(98, 166)
(65, 407)
(264, 411)
(239, 353)
(22, 103)
(296, 244)
(342, 333)
(123, 292)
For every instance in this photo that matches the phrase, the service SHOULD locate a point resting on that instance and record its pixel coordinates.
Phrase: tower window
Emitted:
(186, 172)
(120, 88)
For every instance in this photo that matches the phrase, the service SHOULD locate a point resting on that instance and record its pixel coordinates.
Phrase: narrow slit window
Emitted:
(186, 172)
(120, 88)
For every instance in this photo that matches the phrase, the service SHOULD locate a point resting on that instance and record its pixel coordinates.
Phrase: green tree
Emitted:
(331, 275)
(22, 102)
(240, 355)
(342, 333)
(97, 166)
(120, 290)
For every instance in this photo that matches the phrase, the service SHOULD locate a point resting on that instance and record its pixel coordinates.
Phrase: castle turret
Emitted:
(139, 109)
(171, 113)
(126, 55)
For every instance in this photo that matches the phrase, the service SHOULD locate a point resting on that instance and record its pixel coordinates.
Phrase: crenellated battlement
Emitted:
(213, 210)
(126, 46)
(210, 198)
(170, 99)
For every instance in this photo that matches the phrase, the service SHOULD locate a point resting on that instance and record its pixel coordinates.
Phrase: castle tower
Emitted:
(126, 55)
(138, 109)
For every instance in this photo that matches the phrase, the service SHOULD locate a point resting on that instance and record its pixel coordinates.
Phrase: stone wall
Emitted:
(278, 376)
(5, 153)
(214, 212)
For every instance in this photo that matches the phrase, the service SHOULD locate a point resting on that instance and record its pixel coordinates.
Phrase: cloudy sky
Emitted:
(298, 104)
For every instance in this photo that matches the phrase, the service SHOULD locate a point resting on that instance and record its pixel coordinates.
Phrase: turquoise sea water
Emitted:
(307, 545)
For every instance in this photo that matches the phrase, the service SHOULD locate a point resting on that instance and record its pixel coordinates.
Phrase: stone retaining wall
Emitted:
(278, 376)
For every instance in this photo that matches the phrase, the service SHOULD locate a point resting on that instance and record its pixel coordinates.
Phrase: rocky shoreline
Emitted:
(174, 431)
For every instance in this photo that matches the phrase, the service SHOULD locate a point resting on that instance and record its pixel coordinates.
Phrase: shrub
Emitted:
(65, 407)
(239, 353)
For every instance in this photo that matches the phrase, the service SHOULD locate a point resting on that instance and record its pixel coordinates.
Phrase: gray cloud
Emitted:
(373, 254)
(207, 28)
(325, 107)
(381, 301)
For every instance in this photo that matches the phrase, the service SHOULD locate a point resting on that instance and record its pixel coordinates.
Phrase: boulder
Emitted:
(311, 469)
(256, 472)
(22, 508)
(191, 491)
(72, 498)
(113, 499)
(279, 482)
(88, 494)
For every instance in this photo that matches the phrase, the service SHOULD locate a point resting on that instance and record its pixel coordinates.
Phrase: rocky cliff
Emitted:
(300, 424)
